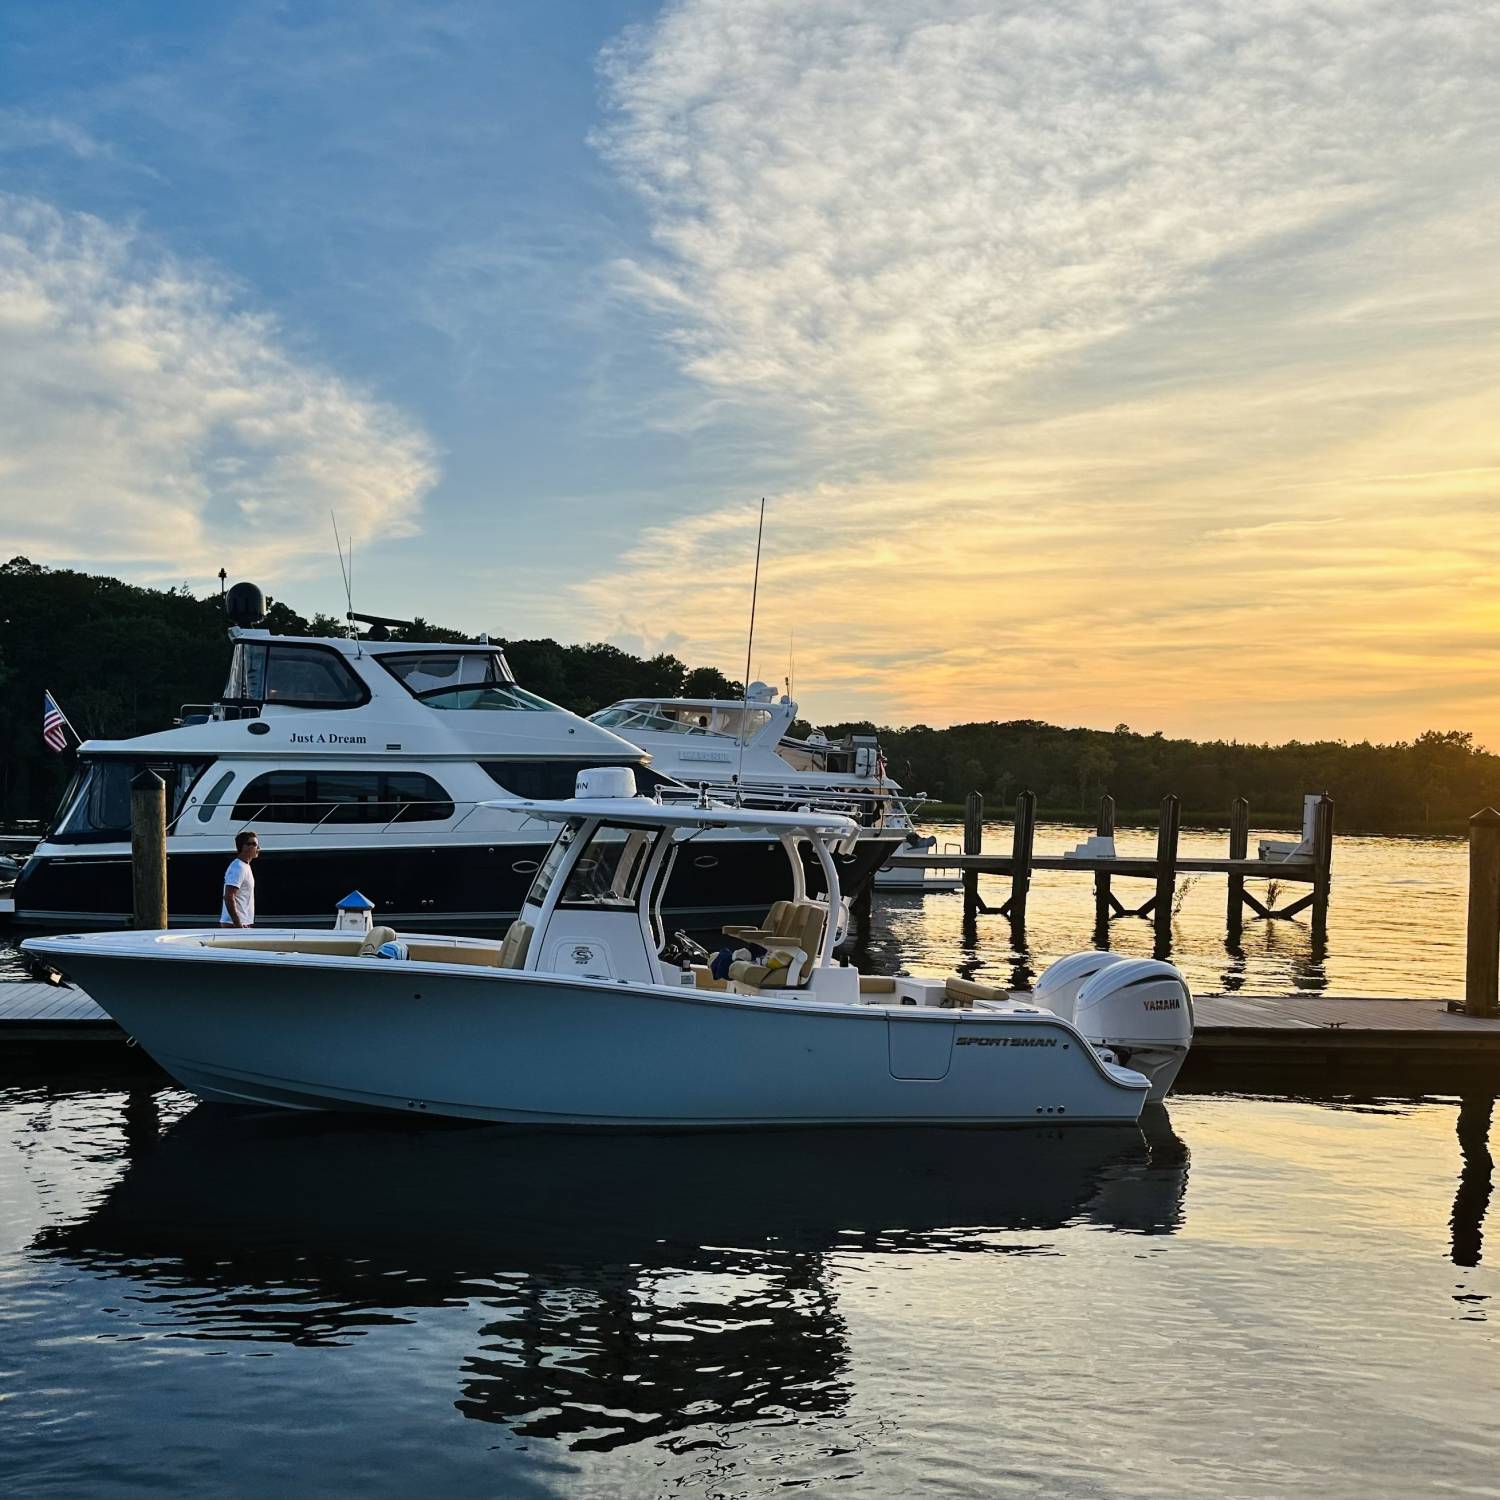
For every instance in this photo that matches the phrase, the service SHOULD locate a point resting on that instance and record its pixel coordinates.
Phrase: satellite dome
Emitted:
(245, 605)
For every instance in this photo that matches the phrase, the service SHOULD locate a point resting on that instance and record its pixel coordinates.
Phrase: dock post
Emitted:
(148, 849)
(1022, 843)
(1102, 893)
(973, 844)
(1166, 869)
(1322, 863)
(1239, 848)
(1482, 976)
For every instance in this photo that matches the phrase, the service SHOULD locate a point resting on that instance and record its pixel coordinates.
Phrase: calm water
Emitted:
(1395, 920)
(1248, 1297)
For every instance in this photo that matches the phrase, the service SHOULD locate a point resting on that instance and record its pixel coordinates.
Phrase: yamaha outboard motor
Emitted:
(1141, 1009)
(1058, 987)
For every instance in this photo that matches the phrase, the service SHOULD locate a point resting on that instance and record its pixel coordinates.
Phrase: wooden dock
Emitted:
(31, 1012)
(1306, 863)
(1240, 1041)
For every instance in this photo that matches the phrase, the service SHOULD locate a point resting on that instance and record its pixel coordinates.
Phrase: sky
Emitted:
(1131, 362)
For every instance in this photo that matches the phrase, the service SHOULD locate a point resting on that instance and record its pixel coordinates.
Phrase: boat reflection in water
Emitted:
(629, 1289)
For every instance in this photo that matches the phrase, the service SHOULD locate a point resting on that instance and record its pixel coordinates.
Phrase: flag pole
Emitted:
(66, 720)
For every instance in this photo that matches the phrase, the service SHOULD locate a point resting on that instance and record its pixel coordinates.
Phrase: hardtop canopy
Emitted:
(647, 812)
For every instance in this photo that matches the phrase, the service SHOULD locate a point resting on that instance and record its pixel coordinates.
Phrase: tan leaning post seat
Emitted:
(962, 993)
(773, 926)
(790, 953)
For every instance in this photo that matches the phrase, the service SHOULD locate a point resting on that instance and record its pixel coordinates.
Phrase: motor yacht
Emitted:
(748, 748)
(747, 745)
(363, 764)
(591, 1012)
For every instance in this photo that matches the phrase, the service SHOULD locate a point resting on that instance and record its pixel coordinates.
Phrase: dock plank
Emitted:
(31, 1011)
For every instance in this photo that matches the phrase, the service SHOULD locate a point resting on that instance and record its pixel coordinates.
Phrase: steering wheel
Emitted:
(683, 951)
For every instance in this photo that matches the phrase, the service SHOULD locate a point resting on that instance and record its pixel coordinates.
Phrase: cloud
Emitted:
(1138, 356)
(894, 211)
(148, 423)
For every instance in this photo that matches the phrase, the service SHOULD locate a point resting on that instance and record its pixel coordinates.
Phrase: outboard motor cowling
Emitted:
(1142, 1010)
(1058, 987)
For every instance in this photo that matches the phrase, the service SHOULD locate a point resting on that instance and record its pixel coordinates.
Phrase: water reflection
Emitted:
(1470, 1202)
(625, 1289)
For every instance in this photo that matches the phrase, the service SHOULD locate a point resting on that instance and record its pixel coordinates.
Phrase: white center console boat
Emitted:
(590, 1014)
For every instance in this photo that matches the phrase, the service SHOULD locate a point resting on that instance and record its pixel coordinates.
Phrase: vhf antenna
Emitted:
(749, 647)
(347, 569)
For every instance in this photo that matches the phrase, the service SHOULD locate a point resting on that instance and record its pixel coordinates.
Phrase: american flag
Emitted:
(52, 725)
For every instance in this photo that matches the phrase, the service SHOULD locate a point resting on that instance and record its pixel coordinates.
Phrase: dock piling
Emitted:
(973, 844)
(1166, 868)
(1103, 896)
(1322, 863)
(148, 849)
(1023, 843)
(1239, 848)
(1482, 974)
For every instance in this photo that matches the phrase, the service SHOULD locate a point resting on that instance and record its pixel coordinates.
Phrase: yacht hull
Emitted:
(429, 887)
(310, 1032)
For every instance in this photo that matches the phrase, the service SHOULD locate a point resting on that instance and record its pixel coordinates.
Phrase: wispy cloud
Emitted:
(891, 211)
(147, 421)
(1103, 334)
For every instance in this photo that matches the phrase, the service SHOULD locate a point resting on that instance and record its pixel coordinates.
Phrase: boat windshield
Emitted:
(541, 882)
(609, 871)
(726, 720)
(461, 680)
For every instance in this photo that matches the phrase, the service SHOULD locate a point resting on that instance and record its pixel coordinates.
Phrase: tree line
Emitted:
(123, 660)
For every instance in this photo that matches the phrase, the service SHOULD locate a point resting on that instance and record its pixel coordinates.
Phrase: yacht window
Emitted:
(722, 719)
(653, 719)
(97, 805)
(210, 804)
(609, 871)
(276, 797)
(460, 680)
(300, 676)
(334, 797)
(414, 798)
(100, 804)
(553, 780)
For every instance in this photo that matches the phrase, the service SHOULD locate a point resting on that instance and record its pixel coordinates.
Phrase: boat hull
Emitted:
(308, 1032)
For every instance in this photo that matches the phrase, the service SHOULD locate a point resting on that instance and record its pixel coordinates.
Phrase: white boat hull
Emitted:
(538, 1049)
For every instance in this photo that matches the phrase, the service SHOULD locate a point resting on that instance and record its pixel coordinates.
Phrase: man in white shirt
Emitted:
(238, 908)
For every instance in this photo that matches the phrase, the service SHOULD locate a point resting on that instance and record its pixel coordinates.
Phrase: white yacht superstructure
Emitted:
(362, 764)
(747, 745)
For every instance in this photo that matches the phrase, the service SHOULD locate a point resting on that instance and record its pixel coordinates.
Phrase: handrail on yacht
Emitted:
(406, 814)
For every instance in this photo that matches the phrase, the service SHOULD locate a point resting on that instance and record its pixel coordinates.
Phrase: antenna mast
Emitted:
(348, 573)
(750, 643)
